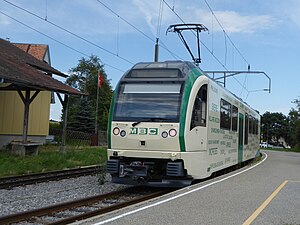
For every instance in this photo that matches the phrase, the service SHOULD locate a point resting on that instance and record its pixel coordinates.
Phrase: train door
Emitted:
(241, 139)
(197, 134)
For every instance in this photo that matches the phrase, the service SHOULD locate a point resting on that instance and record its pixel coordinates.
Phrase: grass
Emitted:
(49, 159)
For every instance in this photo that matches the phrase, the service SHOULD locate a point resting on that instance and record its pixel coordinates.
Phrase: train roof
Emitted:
(166, 64)
(183, 66)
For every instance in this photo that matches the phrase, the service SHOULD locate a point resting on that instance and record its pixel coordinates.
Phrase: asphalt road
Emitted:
(230, 199)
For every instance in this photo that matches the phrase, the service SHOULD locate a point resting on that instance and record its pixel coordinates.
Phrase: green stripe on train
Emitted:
(194, 74)
(111, 112)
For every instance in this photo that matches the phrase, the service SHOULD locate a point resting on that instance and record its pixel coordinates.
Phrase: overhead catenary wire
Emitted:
(159, 20)
(147, 36)
(205, 46)
(118, 31)
(55, 40)
(225, 46)
(139, 30)
(234, 46)
(46, 9)
(225, 33)
(212, 33)
(70, 32)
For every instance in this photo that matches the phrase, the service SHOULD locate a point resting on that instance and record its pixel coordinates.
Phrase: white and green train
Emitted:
(171, 124)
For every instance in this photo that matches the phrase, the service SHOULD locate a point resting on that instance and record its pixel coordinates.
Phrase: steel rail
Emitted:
(51, 210)
(13, 181)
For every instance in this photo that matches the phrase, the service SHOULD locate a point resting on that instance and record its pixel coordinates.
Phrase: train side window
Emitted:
(234, 118)
(250, 125)
(246, 129)
(225, 114)
(199, 109)
(256, 126)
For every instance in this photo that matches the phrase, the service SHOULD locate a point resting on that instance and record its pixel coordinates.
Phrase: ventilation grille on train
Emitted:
(175, 169)
(112, 166)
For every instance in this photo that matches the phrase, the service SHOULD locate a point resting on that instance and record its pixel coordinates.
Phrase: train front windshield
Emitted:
(149, 102)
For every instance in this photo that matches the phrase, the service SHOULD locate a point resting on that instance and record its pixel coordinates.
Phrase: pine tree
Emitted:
(82, 118)
(84, 77)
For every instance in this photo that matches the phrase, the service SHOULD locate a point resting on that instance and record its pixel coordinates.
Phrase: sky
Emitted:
(262, 34)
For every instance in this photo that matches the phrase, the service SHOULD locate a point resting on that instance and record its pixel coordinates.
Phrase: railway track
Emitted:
(72, 211)
(9, 182)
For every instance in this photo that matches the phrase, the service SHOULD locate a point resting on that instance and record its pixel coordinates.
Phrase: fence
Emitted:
(80, 138)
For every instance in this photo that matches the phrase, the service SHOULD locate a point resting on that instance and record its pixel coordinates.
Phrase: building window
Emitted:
(199, 109)
(225, 114)
(234, 118)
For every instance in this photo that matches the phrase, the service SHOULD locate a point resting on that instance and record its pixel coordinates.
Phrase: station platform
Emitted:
(267, 193)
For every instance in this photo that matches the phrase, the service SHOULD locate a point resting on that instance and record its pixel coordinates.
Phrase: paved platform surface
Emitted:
(266, 194)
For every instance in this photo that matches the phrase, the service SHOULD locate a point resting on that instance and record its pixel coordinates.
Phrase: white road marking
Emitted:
(178, 196)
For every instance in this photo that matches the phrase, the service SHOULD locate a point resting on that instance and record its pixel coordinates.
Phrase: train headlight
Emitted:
(164, 134)
(172, 133)
(116, 131)
(123, 133)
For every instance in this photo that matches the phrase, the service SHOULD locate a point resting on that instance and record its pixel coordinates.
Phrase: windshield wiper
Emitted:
(142, 120)
(154, 119)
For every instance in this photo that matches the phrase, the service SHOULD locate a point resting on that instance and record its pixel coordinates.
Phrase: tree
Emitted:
(297, 102)
(85, 78)
(297, 133)
(82, 118)
(293, 118)
(274, 126)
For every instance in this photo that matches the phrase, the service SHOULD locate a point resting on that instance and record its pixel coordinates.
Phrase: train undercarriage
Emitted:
(148, 172)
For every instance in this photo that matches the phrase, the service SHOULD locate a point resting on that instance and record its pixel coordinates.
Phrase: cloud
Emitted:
(293, 13)
(232, 22)
(149, 11)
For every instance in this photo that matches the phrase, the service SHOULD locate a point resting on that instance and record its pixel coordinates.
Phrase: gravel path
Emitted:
(29, 197)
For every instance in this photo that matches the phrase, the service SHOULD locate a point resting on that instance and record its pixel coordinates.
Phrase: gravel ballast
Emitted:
(20, 199)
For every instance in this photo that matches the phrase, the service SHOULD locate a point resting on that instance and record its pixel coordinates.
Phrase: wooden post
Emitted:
(26, 115)
(64, 104)
(27, 101)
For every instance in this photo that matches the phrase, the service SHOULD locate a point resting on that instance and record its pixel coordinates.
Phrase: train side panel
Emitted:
(213, 146)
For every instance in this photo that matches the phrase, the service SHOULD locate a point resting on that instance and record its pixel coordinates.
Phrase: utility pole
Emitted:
(156, 51)
(97, 104)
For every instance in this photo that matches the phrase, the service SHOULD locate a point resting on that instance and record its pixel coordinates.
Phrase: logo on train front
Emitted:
(143, 131)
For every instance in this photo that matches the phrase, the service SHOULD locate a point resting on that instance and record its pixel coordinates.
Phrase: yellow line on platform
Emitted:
(264, 205)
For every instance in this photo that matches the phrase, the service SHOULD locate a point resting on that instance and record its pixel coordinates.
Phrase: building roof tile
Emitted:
(23, 71)
(36, 50)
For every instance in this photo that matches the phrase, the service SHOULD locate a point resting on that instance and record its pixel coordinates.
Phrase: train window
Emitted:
(225, 114)
(155, 102)
(250, 125)
(256, 127)
(234, 118)
(154, 73)
(199, 109)
(246, 129)
(253, 125)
